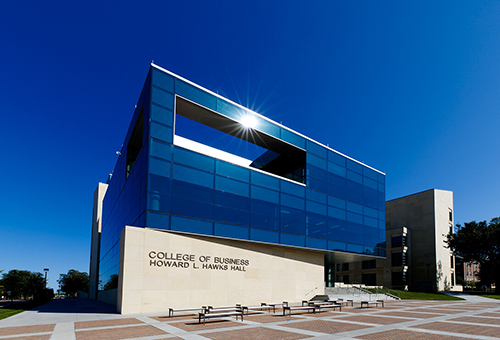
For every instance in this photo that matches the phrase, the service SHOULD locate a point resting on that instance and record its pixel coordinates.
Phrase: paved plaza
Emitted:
(84, 319)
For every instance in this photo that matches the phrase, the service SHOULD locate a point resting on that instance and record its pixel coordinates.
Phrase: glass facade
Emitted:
(297, 192)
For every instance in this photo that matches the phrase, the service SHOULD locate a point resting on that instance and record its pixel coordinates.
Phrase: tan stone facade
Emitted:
(161, 270)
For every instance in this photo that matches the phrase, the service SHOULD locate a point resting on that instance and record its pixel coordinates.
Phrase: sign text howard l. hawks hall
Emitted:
(207, 262)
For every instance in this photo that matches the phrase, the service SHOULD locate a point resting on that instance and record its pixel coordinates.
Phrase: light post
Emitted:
(46, 270)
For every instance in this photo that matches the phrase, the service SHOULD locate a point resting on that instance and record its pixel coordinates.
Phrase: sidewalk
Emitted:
(84, 319)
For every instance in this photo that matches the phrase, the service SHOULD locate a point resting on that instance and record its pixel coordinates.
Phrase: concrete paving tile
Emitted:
(31, 337)
(4, 331)
(410, 314)
(401, 334)
(255, 334)
(461, 329)
(268, 318)
(374, 319)
(193, 326)
(106, 323)
(326, 326)
(119, 333)
(477, 319)
(490, 314)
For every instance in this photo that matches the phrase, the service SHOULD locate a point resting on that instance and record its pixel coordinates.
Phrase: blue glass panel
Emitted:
(354, 166)
(355, 197)
(162, 98)
(357, 208)
(370, 183)
(337, 213)
(335, 245)
(372, 222)
(336, 158)
(264, 222)
(381, 187)
(163, 80)
(293, 189)
(337, 230)
(230, 110)
(370, 236)
(354, 177)
(316, 196)
(160, 149)
(268, 127)
(336, 190)
(194, 159)
(367, 172)
(231, 170)
(292, 201)
(316, 149)
(265, 194)
(381, 214)
(191, 225)
(336, 169)
(293, 138)
(265, 208)
(184, 207)
(292, 240)
(355, 227)
(195, 94)
(265, 180)
(293, 214)
(162, 115)
(157, 220)
(183, 173)
(336, 202)
(317, 208)
(292, 227)
(316, 161)
(352, 217)
(158, 202)
(320, 231)
(355, 248)
(264, 235)
(159, 184)
(370, 212)
(229, 230)
(355, 187)
(160, 131)
(381, 178)
(317, 172)
(317, 184)
(192, 192)
(316, 243)
(160, 167)
(232, 201)
(231, 185)
(229, 215)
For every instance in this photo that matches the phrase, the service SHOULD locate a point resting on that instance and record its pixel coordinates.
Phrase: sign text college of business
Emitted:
(203, 262)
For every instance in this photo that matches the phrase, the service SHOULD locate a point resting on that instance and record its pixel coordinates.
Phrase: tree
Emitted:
(479, 242)
(73, 281)
(112, 282)
(23, 283)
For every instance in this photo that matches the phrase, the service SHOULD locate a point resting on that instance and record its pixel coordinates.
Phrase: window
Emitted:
(398, 241)
(398, 259)
(345, 266)
(369, 279)
(450, 213)
(369, 264)
(451, 261)
(343, 278)
(398, 279)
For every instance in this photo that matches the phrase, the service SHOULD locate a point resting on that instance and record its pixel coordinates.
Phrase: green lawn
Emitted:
(417, 295)
(17, 308)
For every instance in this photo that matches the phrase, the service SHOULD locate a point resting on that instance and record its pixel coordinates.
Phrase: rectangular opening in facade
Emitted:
(134, 145)
(205, 131)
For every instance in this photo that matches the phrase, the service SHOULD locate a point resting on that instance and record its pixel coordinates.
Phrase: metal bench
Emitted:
(205, 315)
(367, 304)
(308, 308)
(325, 305)
(172, 310)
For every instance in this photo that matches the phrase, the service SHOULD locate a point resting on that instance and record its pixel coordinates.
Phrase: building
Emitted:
(211, 203)
(417, 258)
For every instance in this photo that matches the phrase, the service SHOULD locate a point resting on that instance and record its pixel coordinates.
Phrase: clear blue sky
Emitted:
(408, 87)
